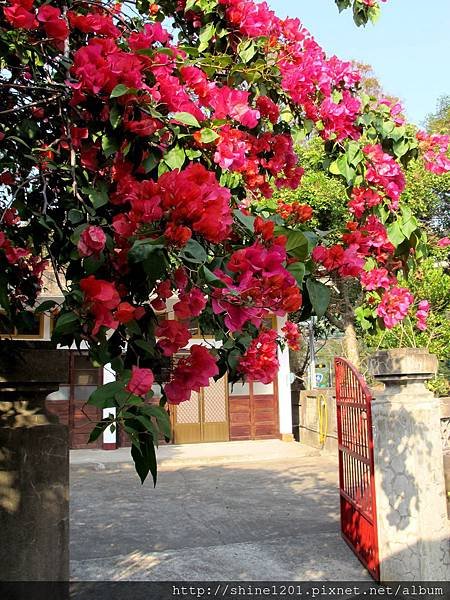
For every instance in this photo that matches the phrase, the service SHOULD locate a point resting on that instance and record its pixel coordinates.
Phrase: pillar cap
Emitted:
(399, 364)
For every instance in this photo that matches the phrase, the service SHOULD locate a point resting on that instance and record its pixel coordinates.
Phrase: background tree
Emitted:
(439, 121)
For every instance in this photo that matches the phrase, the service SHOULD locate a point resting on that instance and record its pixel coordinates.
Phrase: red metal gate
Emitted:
(356, 466)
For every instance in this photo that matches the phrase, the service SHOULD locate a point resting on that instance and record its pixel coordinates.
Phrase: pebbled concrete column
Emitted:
(413, 529)
(34, 466)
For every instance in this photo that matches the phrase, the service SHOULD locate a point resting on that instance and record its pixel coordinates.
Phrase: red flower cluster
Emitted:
(291, 335)
(187, 201)
(363, 199)
(54, 25)
(191, 373)
(141, 381)
(394, 306)
(260, 361)
(385, 173)
(347, 261)
(294, 212)
(190, 304)
(435, 148)
(172, 335)
(256, 157)
(20, 15)
(92, 241)
(261, 285)
(103, 302)
(101, 298)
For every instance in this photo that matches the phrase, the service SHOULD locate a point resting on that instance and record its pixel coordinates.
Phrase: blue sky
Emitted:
(409, 47)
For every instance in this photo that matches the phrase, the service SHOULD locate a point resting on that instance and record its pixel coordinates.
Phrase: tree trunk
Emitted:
(350, 343)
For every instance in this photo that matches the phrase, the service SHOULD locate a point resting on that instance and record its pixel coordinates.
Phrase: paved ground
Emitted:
(233, 511)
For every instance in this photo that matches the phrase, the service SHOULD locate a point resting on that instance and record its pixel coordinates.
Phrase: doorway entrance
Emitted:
(203, 418)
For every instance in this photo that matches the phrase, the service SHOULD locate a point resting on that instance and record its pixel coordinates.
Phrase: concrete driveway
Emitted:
(229, 511)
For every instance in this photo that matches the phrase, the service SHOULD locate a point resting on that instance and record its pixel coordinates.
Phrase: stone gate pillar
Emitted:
(34, 466)
(413, 529)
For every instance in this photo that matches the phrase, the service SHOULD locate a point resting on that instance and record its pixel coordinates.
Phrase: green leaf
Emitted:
(149, 163)
(298, 243)
(104, 396)
(186, 118)
(206, 33)
(75, 216)
(341, 167)
(320, 295)
(233, 358)
(298, 271)
(210, 278)
(192, 154)
(409, 222)
(395, 233)
(246, 50)
(400, 148)
(146, 346)
(98, 196)
(4, 295)
(44, 306)
(161, 415)
(194, 252)
(66, 323)
(109, 146)
(119, 90)
(208, 135)
(248, 221)
(114, 116)
(354, 154)
(141, 249)
(144, 457)
(99, 429)
(175, 158)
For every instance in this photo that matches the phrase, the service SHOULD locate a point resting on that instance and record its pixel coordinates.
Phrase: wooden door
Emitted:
(203, 418)
(254, 412)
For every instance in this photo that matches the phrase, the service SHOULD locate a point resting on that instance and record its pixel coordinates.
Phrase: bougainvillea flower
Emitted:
(394, 306)
(92, 241)
(141, 381)
(260, 361)
(172, 335)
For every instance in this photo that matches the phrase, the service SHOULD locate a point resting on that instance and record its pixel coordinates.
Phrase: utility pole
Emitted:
(312, 355)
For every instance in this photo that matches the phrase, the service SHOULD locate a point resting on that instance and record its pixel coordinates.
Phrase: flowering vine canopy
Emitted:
(136, 141)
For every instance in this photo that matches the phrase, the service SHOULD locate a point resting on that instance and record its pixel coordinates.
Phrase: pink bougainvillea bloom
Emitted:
(20, 16)
(394, 306)
(172, 335)
(141, 381)
(190, 374)
(444, 242)
(423, 309)
(191, 304)
(126, 312)
(291, 335)
(375, 278)
(260, 361)
(92, 241)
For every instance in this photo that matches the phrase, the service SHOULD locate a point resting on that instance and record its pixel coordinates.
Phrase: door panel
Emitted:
(215, 412)
(255, 416)
(203, 418)
(187, 427)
